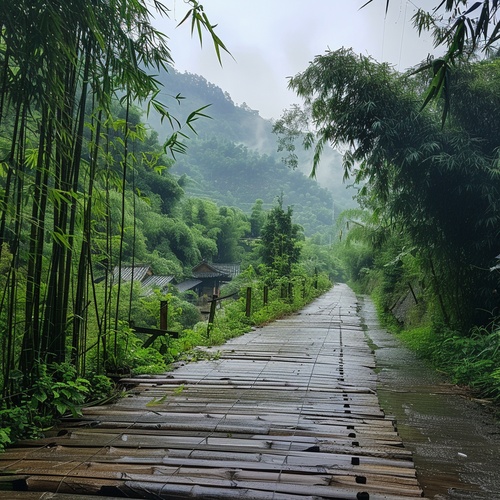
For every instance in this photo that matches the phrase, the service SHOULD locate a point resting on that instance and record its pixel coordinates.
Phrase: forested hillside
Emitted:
(233, 157)
(236, 176)
(90, 200)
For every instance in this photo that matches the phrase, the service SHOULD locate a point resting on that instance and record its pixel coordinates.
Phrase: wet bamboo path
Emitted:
(288, 411)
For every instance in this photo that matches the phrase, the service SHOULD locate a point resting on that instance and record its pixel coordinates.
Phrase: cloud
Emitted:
(275, 39)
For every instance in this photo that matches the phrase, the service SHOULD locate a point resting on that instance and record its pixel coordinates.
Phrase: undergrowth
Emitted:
(57, 391)
(60, 391)
(470, 360)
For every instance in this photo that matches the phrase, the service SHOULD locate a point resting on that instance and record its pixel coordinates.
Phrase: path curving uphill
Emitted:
(289, 411)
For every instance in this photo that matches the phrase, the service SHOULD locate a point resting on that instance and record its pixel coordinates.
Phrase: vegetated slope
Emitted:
(238, 124)
(234, 175)
(233, 159)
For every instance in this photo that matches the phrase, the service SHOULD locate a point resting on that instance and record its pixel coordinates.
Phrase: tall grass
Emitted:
(231, 319)
(471, 360)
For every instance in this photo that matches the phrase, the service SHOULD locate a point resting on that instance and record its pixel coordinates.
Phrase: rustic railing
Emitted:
(155, 333)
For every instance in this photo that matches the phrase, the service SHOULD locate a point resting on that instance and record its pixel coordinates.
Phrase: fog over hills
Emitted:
(233, 158)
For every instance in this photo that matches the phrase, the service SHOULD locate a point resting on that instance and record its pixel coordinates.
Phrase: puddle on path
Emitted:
(455, 441)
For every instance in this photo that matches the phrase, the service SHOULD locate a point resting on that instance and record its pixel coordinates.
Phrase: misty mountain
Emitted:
(233, 160)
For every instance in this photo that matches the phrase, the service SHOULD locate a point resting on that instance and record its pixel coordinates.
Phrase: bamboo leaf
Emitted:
(195, 115)
(475, 6)
(157, 401)
(62, 239)
(200, 22)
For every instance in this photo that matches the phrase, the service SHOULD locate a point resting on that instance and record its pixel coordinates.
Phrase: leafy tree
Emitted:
(257, 218)
(234, 226)
(463, 30)
(317, 258)
(65, 147)
(280, 240)
(438, 185)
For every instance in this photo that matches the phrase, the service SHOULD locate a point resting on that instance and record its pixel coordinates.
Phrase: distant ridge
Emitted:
(233, 158)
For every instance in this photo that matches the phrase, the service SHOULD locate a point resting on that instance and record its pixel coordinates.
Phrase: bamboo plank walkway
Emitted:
(288, 411)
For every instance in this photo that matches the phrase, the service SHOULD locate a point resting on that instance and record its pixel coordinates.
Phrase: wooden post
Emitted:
(413, 293)
(266, 294)
(163, 315)
(249, 302)
(211, 315)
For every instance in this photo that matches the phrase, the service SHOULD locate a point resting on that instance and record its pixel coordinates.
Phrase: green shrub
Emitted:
(131, 357)
(470, 360)
(57, 391)
(101, 387)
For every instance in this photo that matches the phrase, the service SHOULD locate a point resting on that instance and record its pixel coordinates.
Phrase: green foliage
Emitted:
(233, 226)
(17, 423)
(151, 181)
(57, 391)
(436, 189)
(280, 240)
(292, 129)
(470, 360)
(101, 388)
(419, 340)
(463, 29)
(320, 258)
(257, 218)
(129, 357)
(182, 314)
(4, 435)
(236, 176)
(187, 342)
(78, 171)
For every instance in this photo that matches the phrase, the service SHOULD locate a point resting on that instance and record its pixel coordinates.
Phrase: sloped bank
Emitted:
(454, 439)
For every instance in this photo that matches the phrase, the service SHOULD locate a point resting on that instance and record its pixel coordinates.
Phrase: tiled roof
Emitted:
(144, 275)
(139, 273)
(211, 270)
(157, 281)
(186, 285)
(231, 270)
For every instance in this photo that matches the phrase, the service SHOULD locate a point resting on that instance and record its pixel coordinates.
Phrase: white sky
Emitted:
(271, 40)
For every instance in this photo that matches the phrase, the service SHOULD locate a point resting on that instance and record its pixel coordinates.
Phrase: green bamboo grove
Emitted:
(70, 72)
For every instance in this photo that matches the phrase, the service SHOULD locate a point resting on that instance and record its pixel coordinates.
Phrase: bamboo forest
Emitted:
(127, 185)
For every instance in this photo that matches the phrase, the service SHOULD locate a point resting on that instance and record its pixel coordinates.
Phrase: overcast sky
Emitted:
(271, 40)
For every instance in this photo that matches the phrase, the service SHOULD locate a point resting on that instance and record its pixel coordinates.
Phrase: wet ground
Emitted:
(455, 440)
(287, 411)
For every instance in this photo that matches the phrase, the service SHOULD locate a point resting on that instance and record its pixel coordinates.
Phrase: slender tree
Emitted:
(280, 240)
(62, 65)
(439, 185)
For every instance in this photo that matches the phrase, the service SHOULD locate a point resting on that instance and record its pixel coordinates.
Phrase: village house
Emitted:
(206, 278)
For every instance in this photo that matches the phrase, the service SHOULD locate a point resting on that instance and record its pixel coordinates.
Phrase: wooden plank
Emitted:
(45, 495)
(182, 459)
(287, 411)
(220, 477)
(216, 489)
(278, 472)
